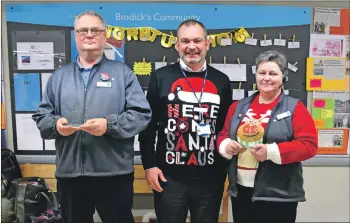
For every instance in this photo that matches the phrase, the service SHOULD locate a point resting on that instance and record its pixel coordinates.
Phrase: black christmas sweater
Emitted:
(171, 141)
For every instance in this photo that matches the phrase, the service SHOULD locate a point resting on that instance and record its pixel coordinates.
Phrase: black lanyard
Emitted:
(194, 92)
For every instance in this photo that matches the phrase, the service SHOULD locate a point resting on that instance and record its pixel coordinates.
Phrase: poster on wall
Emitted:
(333, 141)
(327, 45)
(27, 91)
(35, 56)
(341, 106)
(334, 21)
(326, 74)
(28, 135)
(323, 112)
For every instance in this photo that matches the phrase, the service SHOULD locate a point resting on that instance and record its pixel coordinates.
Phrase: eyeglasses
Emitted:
(94, 31)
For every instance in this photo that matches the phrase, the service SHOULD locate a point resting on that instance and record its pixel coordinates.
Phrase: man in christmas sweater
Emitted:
(189, 102)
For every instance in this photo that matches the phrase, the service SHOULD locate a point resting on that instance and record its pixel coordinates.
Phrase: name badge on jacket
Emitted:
(103, 84)
(283, 115)
(203, 129)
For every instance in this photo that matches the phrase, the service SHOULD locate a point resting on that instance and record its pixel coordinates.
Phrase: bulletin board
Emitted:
(32, 25)
(328, 78)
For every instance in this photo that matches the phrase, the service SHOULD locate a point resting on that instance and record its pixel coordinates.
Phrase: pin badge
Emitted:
(104, 76)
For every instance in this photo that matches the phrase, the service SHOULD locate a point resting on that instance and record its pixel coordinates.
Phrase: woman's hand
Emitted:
(233, 147)
(259, 151)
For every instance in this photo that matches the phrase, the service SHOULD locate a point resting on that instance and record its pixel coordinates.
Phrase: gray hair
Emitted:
(279, 58)
(192, 22)
(89, 13)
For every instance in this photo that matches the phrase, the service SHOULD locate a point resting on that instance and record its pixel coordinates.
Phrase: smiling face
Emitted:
(269, 77)
(192, 44)
(90, 34)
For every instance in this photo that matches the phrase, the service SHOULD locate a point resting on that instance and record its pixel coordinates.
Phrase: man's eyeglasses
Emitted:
(94, 31)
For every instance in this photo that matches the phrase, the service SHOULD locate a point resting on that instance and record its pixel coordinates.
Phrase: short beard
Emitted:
(192, 61)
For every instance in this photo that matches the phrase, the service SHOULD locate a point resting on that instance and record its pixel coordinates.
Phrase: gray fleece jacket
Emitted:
(113, 92)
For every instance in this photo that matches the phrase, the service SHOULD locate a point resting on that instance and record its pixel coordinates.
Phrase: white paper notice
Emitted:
(334, 69)
(237, 94)
(50, 144)
(136, 143)
(266, 42)
(110, 54)
(286, 92)
(293, 45)
(44, 78)
(28, 135)
(254, 69)
(35, 56)
(279, 42)
(251, 41)
(326, 138)
(330, 69)
(250, 93)
(158, 65)
(226, 42)
(292, 67)
(323, 45)
(235, 72)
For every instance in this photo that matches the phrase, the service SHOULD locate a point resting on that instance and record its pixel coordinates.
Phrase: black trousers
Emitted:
(246, 211)
(203, 200)
(111, 196)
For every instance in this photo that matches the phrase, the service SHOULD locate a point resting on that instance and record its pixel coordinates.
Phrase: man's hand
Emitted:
(152, 177)
(233, 147)
(96, 126)
(259, 151)
(64, 129)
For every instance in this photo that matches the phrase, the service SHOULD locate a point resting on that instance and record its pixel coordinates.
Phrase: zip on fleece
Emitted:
(93, 71)
(83, 133)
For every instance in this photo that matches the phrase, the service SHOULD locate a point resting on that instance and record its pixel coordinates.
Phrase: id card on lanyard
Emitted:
(202, 129)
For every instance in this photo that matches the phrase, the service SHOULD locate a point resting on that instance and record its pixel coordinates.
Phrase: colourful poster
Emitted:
(27, 91)
(323, 112)
(326, 74)
(333, 141)
(334, 21)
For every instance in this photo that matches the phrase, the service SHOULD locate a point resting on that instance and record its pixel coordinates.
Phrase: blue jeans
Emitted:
(202, 199)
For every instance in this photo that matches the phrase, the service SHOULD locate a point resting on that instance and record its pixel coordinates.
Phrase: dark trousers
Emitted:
(111, 196)
(246, 211)
(203, 200)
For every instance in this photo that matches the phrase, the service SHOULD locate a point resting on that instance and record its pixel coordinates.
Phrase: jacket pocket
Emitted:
(117, 145)
(279, 181)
